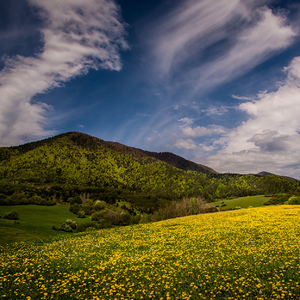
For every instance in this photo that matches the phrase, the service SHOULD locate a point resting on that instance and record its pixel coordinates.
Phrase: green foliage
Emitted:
(75, 167)
(185, 207)
(75, 200)
(279, 199)
(294, 200)
(91, 226)
(99, 205)
(12, 215)
(67, 226)
(98, 215)
(81, 214)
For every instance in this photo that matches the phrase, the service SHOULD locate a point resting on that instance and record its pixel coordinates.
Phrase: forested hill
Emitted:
(73, 163)
(168, 157)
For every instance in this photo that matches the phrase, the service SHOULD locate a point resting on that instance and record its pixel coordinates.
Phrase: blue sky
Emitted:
(217, 82)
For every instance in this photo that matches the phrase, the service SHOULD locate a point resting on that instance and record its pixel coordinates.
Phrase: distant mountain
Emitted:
(181, 163)
(168, 157)
(264, 173)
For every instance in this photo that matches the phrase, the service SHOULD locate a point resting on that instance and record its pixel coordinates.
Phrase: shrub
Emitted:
(75, 200)
(113, 217)
(67, 226)
(294, 200)
(209, 209)
(99, 205)
(89, 225)
(96, 216)
(88, 207)
(75, 208)
(72, 224)
(12, 215)
(279, 199)
(83, 226)
(81, 214)
(126, 217)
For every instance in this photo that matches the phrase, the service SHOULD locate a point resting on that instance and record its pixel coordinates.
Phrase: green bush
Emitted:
(126, 217)
(81, 214)
(99, 205)
(97, 225)
(96, 216)
(279, 199)
(67, 226)
(294, 200)
(12, 215)
(75, 200)
(75, 208)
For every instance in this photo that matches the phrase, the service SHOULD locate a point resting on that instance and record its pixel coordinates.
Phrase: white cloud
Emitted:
(186, 121)
(269, 139)
(185, 144)
(200, 131)
(215, 111)
(241, 97)
(78, 35)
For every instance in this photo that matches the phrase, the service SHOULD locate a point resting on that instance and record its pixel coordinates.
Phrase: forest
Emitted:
(78, 166)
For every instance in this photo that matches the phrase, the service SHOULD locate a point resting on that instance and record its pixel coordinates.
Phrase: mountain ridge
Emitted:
(82, 139)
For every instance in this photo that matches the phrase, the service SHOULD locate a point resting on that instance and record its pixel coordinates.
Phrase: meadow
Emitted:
(242, 254)
(242, 202)
(35, 222)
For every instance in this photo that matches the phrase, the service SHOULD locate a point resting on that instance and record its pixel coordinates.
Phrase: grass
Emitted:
(242, 202)
(35, 222)
(242, 254)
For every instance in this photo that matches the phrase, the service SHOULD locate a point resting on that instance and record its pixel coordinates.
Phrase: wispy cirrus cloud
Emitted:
(205, 43)
(77, 36)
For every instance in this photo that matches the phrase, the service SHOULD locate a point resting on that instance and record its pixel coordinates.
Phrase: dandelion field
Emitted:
(244, 254)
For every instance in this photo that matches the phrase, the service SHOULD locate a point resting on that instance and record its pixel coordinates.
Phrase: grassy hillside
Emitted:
(35, 222)
(242, 202)
(244, 254)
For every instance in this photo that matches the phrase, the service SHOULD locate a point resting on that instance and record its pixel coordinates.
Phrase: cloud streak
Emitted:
(214, 42)
(77, 36)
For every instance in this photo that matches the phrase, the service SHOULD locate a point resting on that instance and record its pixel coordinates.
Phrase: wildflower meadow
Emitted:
(244, 254)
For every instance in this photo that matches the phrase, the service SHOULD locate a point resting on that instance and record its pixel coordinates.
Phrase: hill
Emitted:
(245, 254)
(76, 164)
(264, 173)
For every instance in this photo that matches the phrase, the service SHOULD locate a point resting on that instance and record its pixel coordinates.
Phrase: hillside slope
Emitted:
(73, 164)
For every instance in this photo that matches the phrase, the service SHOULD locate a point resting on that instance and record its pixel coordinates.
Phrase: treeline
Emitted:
(105, 215)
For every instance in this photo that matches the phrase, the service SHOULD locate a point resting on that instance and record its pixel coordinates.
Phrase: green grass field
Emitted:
(243, 254)
(242, 202)
(35, 222)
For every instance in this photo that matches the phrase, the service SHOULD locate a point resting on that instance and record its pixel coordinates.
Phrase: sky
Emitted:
(217, 82)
